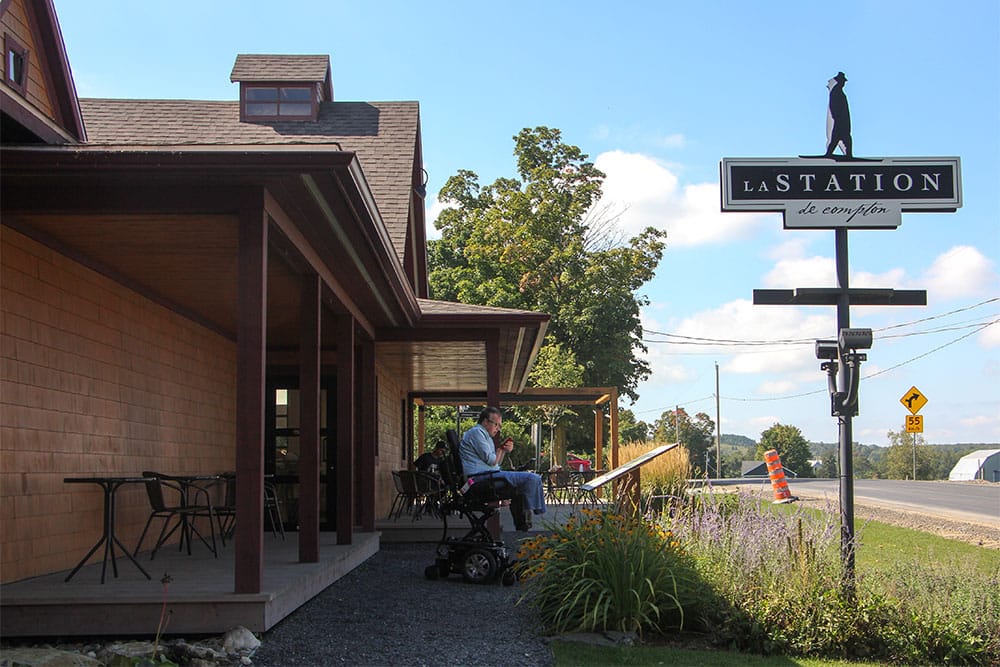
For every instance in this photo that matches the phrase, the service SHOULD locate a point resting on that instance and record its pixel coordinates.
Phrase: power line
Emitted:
(679, 339)
(864, 377)
(939, 347)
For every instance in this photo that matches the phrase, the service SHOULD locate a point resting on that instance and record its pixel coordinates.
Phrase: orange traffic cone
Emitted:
(777, 475)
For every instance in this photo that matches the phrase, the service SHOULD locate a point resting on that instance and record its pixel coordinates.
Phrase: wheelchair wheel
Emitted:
(431, 572)
(443, 568)
(479, 566)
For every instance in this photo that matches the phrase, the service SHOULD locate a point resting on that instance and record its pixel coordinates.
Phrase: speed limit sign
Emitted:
(914, 423)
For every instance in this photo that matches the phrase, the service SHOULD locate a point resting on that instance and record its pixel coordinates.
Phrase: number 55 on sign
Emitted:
(914, 423)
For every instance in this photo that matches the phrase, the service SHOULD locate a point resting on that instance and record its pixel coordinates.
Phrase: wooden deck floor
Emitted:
(200, 598)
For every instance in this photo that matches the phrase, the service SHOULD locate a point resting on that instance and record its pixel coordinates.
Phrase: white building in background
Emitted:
(980, 464)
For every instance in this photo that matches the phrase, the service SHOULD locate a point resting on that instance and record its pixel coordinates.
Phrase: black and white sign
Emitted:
(826, 193)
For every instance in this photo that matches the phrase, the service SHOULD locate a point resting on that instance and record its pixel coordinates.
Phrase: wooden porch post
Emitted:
(309, 395)
(493, 368)
(421, 429)
(345, 429)
(613, 407)
(367, 437)
(598, 436)
(250, 364)
(493, 399)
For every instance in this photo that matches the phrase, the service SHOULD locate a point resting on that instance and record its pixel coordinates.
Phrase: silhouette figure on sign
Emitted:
(838, 120)
(909, 401)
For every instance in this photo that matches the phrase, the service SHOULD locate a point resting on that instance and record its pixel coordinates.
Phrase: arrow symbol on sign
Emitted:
(910, 399)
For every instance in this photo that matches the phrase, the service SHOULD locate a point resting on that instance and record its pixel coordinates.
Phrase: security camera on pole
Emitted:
(841, 192)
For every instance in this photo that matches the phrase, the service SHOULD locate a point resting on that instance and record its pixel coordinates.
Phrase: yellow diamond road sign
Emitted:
(913, 400)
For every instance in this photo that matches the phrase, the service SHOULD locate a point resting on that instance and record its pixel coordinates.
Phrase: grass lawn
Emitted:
(886, 546)
(882, 547)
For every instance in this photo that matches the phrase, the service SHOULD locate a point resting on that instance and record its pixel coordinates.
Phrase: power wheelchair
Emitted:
(477, 556)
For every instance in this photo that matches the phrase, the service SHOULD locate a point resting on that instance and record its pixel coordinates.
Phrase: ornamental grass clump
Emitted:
(603, 570)
(666, 475)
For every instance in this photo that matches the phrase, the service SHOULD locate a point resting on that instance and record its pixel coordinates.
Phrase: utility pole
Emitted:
(677, 423)
(718, 427)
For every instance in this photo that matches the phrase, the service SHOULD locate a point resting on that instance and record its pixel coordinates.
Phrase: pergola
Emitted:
(592, 396)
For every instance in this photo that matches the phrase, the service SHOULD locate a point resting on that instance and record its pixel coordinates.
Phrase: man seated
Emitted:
(433, 461)
(480, 455)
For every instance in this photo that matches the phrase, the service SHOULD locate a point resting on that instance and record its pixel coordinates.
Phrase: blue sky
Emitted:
(657, 93)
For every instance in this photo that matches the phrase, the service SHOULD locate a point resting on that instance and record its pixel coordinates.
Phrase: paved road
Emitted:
(970, 501)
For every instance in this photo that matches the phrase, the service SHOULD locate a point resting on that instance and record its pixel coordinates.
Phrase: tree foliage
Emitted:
(791, 446)
(536, 242)
(555, 367)
(630, 429)
(697, 434)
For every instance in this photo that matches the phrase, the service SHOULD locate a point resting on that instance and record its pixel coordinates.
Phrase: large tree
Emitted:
(791, 446)
(906, 452)
(540, 242)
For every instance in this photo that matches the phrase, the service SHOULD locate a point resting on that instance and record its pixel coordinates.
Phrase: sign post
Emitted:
(913, 401)
(841, 192)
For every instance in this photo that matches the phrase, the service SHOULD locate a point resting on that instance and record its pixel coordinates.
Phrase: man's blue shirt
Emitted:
(477, 451)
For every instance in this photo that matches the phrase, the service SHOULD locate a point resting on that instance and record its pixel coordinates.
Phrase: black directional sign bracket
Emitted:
(831, 296)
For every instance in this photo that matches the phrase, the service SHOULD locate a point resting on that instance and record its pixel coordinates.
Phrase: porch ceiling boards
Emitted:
(165, 224)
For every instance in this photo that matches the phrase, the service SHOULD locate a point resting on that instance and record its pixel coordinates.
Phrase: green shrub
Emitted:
(606, 571)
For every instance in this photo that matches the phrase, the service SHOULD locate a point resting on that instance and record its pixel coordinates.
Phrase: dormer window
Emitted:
(278, 102)
(275, 87)
(15, 65)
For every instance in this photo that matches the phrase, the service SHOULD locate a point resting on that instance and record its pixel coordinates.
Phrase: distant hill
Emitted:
(737, 440)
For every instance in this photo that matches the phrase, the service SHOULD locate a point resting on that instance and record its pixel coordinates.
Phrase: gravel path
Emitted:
(386, 613)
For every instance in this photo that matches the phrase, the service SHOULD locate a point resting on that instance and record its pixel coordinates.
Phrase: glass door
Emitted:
(282, 444)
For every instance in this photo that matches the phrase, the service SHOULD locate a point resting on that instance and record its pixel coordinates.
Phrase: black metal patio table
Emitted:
(110, 485)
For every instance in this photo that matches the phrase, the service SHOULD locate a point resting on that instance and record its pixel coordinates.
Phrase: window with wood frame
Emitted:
(279, 102)
(15, 65)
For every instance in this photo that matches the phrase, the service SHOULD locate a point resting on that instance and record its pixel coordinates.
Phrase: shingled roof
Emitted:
(255, 67)
(382, 134)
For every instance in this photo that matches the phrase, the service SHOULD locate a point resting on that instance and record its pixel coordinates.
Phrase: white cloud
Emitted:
(777, 387)
(746, 322)
(762, 423)
(887, 279)
(673, 141)
(793, 269)
(990, 336)
(982, 421)
(961, 271)
(649, 194)
(802, 272)
(790, 248)
(431, 213)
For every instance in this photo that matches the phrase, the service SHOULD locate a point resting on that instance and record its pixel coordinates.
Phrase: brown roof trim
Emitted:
(62, 77)
(44, 128)
(450, 313)
(254, 159)
(529, 396)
